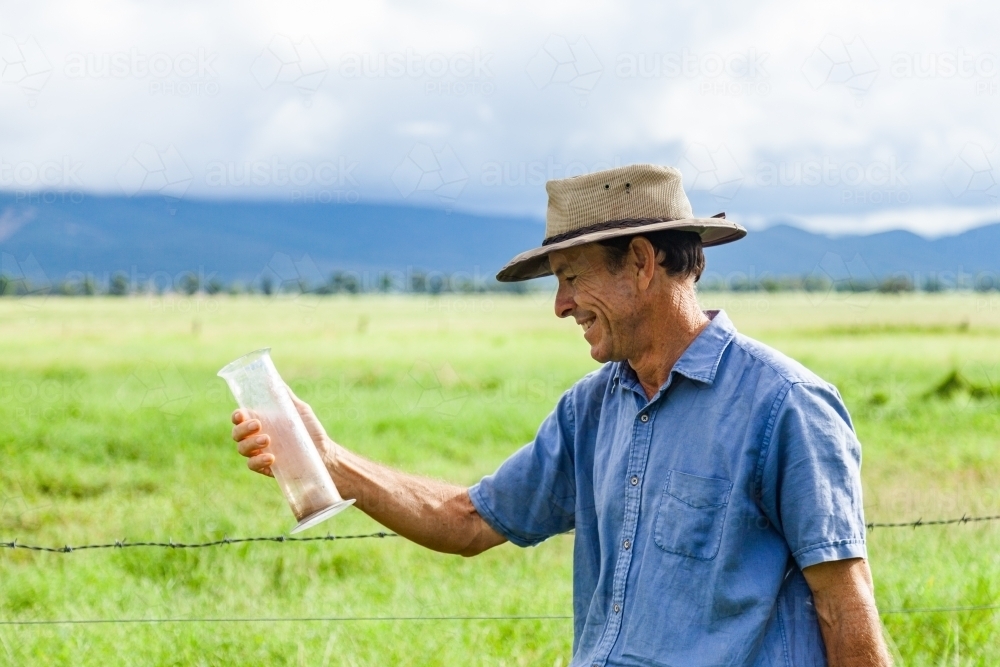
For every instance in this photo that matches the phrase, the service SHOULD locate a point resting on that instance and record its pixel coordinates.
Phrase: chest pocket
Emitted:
(691, 515)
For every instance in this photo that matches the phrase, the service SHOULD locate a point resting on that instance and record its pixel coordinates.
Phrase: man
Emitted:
(712, 483)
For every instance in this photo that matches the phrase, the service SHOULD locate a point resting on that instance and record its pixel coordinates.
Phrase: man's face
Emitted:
(603, 303)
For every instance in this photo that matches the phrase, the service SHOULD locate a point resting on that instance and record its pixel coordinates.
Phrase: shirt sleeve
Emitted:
(532, 496)
(811, 483)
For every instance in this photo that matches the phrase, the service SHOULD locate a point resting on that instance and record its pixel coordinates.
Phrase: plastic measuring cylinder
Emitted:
(298, 468)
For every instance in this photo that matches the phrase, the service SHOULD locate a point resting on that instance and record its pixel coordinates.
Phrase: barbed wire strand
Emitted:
(367, 619)
(936, 522)
(170, 544)
(294, 619)
(935, 610)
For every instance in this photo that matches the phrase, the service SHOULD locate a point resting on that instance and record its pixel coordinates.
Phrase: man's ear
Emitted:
(643, 258)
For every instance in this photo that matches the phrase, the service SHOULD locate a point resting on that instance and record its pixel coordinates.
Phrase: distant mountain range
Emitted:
(971, 258)
(56, 236)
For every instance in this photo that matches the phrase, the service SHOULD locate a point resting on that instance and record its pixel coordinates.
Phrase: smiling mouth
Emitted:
(586, 325)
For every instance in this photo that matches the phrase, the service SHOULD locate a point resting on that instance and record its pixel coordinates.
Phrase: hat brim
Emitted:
(534, 263)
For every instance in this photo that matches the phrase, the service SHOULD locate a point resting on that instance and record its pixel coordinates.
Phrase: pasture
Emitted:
(115, 427)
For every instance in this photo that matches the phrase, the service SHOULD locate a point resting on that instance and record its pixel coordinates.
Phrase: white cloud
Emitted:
(526, 87)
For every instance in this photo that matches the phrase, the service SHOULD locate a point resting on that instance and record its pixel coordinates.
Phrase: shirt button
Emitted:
(644, 418)
(627, 544)
(618, 608)
(634, 480)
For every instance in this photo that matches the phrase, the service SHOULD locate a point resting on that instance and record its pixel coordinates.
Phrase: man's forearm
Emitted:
(848, 618)
(434, 514)
(853, 635)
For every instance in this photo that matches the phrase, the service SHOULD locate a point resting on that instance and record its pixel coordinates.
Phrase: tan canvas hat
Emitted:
(617, 202)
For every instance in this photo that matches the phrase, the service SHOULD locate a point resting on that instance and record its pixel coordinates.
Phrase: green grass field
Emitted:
(115, 427)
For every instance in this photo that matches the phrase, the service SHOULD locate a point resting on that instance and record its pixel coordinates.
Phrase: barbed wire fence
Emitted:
(282, 539)
(170, 544)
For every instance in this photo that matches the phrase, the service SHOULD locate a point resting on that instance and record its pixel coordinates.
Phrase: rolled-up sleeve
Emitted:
(811, 481)
(532, 496)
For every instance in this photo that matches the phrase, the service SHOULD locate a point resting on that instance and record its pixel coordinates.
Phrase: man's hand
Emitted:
(252, 443)
(845, 603)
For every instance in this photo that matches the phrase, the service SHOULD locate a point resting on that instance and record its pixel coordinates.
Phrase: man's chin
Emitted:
(599, 354)
(600, 349)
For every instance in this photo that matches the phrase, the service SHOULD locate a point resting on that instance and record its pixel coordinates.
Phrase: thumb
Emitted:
(301, 405)
(305, 411)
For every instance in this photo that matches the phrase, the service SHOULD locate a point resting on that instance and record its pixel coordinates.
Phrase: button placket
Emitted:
(638, 457)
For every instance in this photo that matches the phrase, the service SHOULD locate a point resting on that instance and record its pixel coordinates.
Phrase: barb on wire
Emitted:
(170, 544)
(938, 522)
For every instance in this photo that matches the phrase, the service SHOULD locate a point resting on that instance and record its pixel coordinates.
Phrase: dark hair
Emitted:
(682, 252)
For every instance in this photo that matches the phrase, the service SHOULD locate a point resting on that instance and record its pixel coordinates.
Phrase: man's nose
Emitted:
(564, 301)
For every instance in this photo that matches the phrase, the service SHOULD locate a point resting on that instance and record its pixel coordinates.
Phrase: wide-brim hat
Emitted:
(617, 202)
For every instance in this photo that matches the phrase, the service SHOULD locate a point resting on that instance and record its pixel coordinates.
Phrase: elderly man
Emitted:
(713, 483)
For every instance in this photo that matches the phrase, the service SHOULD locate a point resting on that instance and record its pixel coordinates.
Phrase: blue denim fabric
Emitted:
(695, 511)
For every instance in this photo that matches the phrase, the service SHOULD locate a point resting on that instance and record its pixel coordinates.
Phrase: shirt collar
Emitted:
(700, 360)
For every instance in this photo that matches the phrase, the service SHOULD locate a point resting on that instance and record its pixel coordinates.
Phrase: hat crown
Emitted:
(632, 192)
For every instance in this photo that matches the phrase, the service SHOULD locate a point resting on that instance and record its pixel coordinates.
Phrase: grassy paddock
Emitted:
(116, 427)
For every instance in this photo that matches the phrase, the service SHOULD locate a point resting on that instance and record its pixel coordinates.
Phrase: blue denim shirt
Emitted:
(694, 512)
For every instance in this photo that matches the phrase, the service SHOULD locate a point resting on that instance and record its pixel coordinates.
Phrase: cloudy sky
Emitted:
(840, 117)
